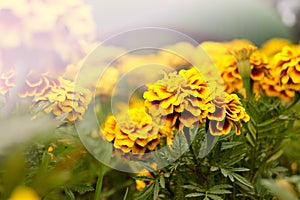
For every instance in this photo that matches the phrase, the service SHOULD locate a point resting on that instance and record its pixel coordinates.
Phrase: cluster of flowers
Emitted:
(184, 99)
(275, 67)
(57, 96)
(176, 101)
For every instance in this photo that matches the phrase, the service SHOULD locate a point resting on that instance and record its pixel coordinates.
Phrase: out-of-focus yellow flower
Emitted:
(7, 81)
(133, 131)
(274, 46)
(180, 98)
(287, 67)
(140, 184)
(24, 193)
(272, 87)
(66, 98)
(107, 82)
(259, 66)
(228, 112)
(228, 68)
(37, 84)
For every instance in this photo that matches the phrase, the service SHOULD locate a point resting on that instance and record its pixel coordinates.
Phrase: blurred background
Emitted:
(256, 20)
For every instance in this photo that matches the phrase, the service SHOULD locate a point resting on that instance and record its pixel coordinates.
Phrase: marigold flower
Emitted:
(287, 67)
(24, 193)
(140, 184)
(134, 132)
(175, 98)
(228, 68)
(259, 66)
(228, 112)
(37, 84)
(65, 98)
(7, 81)
(272, 87)
(274, 46)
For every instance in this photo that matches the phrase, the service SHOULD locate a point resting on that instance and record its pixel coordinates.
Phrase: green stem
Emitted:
(99, 181)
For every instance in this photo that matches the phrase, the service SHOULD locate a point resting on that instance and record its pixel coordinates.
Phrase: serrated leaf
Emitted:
(81, 189)
(194, 195)
(242, 180)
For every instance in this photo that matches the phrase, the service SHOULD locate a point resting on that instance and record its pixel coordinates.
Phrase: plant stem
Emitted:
(99, 181)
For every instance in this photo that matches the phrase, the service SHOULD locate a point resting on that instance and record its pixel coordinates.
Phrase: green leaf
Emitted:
(144, 178)
(229, 145)
(125, 195)
(252, 130)
(275, 156)
(156, 191)
(70, 194)
(220, 186)
(214, 197)
(82, 188)
(194, 194)
(193, 187)
(162, 181)
(219, 191)
(240, 169)
(146, 192)
(242, 180)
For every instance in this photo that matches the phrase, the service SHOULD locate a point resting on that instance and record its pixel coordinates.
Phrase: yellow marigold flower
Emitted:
(24, 193)
(37, 84)
(65, 98)
(177, 99)
(134, 132)
(274, 46)
(228, 67)
(272, 87)
(259, 66)
(7, 81)
(140, 184)
(178, 55)
(228, 112)
(287, 67)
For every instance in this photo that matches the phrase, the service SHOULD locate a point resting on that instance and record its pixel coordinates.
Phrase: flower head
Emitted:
(37, 84)
(66, 98)
(287, 67)
(24, 193)
(134, 131)
(181, 98)
(228, 112)
(7, 81)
